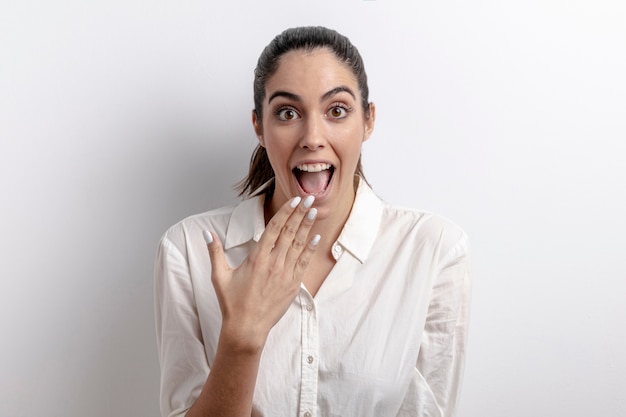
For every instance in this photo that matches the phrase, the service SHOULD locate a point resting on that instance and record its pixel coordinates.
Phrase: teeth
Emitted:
(313, 167)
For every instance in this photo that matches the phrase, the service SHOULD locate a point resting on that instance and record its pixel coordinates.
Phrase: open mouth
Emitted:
(314, 178)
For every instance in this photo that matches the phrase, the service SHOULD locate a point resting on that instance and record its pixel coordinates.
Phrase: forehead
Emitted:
(319, 70)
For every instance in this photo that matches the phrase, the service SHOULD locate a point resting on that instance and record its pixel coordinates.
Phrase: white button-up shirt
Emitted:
(384, 336)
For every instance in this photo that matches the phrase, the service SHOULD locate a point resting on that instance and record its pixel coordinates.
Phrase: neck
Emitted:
(329, 228)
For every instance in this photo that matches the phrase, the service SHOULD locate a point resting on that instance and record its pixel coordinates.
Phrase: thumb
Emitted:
(216, 253)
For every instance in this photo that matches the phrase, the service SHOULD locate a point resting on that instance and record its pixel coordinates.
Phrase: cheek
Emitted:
(350, 144)
(280, 141)
(278, 153)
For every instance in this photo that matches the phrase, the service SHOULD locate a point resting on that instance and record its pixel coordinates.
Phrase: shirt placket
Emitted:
(310, 356)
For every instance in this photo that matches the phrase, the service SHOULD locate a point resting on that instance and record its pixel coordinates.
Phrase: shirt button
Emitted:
(309, 307)
(337, 251)
(310, 359)
(307, 414)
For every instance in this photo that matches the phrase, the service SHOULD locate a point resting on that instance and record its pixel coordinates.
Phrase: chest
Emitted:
(351, 349)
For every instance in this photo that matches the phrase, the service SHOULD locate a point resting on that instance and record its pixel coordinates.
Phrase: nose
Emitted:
(314, 134)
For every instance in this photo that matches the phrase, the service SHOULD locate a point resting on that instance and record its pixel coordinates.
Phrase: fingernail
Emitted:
(308, 201)
(311, 214)
(295, 202)
(207, 236)
(315, 240)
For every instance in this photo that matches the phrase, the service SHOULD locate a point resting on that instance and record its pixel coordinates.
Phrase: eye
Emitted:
(339, 111)
(286, 114)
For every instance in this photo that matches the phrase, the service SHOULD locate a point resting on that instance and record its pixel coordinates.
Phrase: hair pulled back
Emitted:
(305, 38)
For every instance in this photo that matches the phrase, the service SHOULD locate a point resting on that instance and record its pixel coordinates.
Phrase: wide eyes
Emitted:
(336, 111)
(287, 114)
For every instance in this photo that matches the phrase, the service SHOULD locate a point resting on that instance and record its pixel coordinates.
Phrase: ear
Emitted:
(258, 128)
(370, 121)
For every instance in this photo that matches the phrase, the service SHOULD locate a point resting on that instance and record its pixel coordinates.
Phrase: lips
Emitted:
(314, 178)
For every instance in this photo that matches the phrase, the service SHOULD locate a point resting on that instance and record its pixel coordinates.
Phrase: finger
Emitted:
(275, 226)
(216, 253)
(305, 257)
(299, 242)
(292, 229)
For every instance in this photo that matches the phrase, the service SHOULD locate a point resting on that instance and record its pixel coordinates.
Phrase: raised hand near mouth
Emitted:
(256, 294)
(253, 297)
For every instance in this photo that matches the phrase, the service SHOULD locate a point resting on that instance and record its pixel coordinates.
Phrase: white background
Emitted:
(119, 118)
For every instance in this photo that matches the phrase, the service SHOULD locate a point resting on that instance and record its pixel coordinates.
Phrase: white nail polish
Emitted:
(308, 201)
(315, 240)
(295, 202)
(207, 236)
(311, 214)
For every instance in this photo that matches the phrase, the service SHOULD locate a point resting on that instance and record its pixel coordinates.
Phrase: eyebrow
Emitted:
(338, 90)
(325, 96)
(286, 94)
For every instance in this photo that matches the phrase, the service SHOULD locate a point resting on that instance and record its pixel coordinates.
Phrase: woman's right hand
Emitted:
(256, 294)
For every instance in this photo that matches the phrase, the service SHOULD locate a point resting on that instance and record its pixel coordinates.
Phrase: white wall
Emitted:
(118, 118)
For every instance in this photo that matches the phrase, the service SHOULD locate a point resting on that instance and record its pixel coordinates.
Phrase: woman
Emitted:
(315, 297)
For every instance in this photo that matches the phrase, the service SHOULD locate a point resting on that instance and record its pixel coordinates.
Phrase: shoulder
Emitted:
(399, 228)
(190, 228)
(424, 229)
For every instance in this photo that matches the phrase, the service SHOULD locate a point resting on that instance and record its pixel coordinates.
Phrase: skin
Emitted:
(311, 113)
(320, 119)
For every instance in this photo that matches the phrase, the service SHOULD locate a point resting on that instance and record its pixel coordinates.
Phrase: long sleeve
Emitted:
(184, 366)
(436, 384)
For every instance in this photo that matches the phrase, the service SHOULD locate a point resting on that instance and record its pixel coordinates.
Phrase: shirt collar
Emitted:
(359, 232)
(247, 221)
(358, 235)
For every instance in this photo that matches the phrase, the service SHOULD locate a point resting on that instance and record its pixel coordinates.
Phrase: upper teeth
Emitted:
(313, 167)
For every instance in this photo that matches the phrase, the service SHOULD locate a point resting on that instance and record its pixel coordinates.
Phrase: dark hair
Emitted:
(306, 38)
